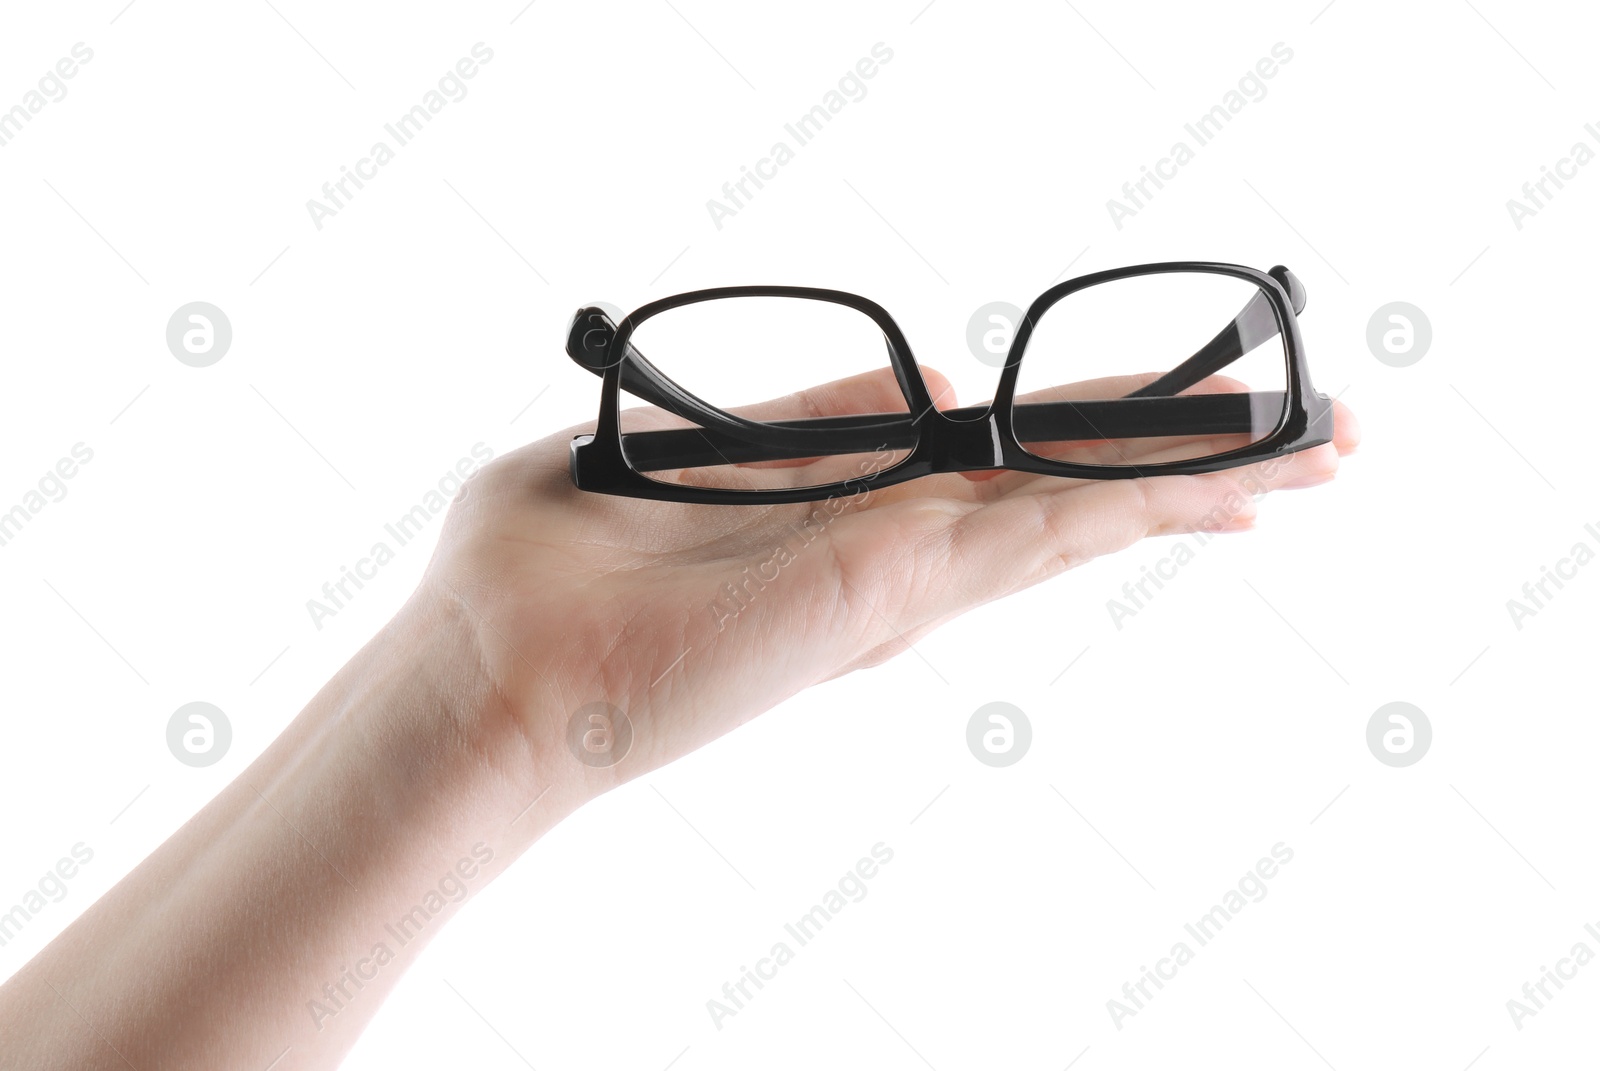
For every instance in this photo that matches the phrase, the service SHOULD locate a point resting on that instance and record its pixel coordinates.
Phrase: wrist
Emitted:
(300, 894)
(467, 728)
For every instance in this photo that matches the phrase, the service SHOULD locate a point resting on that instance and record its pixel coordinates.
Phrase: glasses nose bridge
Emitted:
(972, 443)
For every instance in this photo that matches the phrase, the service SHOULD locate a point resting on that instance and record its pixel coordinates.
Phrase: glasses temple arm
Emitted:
(588, 340)
(1256, 323)
(1103, 419)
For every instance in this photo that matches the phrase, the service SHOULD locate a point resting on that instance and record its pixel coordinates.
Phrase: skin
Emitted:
(442, 747)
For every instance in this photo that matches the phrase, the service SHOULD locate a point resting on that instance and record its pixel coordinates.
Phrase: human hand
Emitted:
(434, 742)
(692, 619)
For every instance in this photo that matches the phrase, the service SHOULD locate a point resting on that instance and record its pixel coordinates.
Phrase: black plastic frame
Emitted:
(970, 439)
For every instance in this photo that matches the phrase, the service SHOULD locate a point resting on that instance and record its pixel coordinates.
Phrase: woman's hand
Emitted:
(675, 623)
(552, 625)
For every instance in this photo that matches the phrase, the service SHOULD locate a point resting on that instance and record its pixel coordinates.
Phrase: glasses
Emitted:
(1113, 375)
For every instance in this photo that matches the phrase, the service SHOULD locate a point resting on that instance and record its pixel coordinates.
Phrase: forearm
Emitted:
(280, 915)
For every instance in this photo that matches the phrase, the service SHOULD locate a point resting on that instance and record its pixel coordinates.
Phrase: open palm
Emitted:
(684, 621)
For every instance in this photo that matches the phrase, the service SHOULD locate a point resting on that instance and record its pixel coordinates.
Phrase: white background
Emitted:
(1227, 716)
